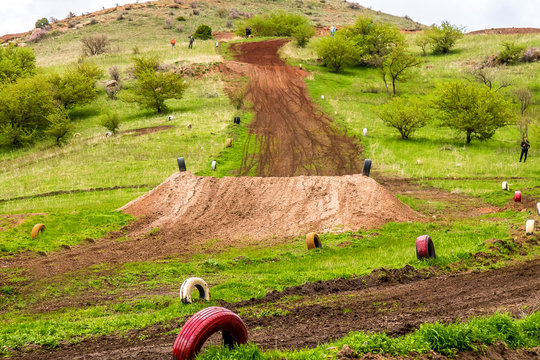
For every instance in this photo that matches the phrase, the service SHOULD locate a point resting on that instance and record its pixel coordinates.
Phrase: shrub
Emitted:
(444, 37)
(114, 73)
(111, 122)
(196, 12)
(274, 24)
(406, 116)
(511, 53)
(24, 108)
(94, 44)
(532, 54)
(222, 13)
(181, 18)
(472, 109)
(302, 34)
(16, 62)
(335, 52)
(60, 128)
(37, 35)
(41, 23)
(203, 32)
(179, 28)
(168, 23)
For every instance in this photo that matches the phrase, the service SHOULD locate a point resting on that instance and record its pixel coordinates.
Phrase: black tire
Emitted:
(367, 167)
(181, 164)
(237, 119)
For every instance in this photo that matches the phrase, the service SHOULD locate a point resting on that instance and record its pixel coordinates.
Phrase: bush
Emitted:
(94, 44)
(274, 24)
(41, 23)
(335, 52)
(60, 128)
(302, 34)
(24, 108)
(532, 54)
(37, 35)
(15, 63)
(111, 122)
(511, 53)
(203, 32)
(114, 73)
(153, 87)
(222, 13)
(444, 37)
(168, 23)
(472, 109)
(406, 116)
(181, 18)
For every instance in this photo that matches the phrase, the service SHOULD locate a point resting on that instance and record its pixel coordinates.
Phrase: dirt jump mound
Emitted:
(261, 208)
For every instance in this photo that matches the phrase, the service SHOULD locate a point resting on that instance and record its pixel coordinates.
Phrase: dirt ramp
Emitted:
(261, 208)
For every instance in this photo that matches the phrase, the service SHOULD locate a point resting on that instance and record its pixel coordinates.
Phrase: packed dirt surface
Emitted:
(395, 301)
(505, 31)
(291, 136)
(189, 210)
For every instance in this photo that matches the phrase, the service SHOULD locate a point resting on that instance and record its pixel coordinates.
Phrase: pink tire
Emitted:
(204, 324)
(424, 247)
(517, 196)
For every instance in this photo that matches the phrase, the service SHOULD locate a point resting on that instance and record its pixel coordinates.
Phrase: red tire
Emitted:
(424, 247)
(517, 196)
(204, 324)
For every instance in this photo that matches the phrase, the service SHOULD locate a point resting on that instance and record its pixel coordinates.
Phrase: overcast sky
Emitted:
(20, 15)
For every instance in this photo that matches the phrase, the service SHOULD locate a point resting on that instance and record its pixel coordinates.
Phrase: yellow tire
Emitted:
(37, 229)
(313, 241)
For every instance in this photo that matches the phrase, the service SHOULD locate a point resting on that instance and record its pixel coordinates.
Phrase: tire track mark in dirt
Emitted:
(291, 136)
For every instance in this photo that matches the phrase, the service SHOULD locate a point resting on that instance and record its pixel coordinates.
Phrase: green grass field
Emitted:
(137, 163)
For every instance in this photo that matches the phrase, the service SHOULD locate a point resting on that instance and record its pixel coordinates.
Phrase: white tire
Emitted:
(191, 284)
(364, 132)
(538, 208)
(505, 186)
(529, 227)
(214, 164)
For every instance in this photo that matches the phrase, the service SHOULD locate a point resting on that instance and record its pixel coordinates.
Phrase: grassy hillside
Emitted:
(50, 184)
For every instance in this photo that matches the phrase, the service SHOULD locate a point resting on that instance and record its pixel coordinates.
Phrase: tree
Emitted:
(154, 87)
(422, 41)
(396, 66)
(16, 62)
(405, 115)
(203, 32)
(60, 127)
(372, 40)
(524, 97)
(41, 23)
(111, 121)
(472, 109)
(487, 77)
(76, 85)
(302, 34)
(335, 52)
(94, 44)
(24, 107)
(444, 37)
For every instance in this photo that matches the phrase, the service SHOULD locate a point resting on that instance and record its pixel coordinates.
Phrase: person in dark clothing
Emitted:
(248, 32)
(525, 145)
(191, 40)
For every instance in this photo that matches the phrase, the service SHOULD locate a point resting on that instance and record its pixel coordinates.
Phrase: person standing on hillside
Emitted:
(332, 30)
(173, 43)
(525, 145)
(248, 31)
(191, 40)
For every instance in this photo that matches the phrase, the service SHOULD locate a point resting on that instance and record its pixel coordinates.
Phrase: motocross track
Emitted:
(291, 136)
(396, 301)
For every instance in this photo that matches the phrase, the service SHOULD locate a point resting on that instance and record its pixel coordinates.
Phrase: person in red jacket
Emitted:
(173, 43)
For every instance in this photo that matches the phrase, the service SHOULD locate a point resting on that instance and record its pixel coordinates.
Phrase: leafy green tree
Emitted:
(302, 34)
(41, 23)
(203, 32)
(372, 40)
(16, 62)
(396, 66)
(335, 51)
(153, 87)
(77, 85)
(274, 24)
(405, 115)
(443, 37)
(472, 109)
(60, 128)
(24, 108)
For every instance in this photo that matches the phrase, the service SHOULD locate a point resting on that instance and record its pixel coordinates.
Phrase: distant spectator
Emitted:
(248, 31)
(173, 43)
(191, 40)
(525, 145)
(333, 30)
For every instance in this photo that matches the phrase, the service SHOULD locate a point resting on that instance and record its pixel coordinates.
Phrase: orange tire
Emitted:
(37, 229)
(313, 241)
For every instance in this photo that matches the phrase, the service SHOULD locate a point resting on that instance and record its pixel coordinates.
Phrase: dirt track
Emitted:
(395, 301)
(291, 135)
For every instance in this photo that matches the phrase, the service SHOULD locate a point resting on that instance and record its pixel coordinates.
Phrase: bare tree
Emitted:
(94, 44)
(487, 77)
(524, 96)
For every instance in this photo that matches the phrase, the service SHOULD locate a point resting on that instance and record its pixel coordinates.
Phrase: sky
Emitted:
(20, 15)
